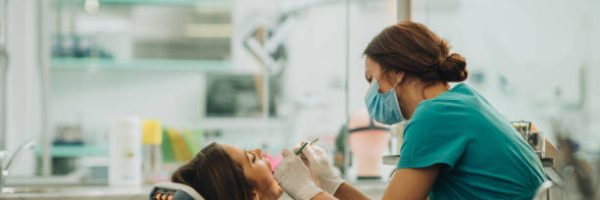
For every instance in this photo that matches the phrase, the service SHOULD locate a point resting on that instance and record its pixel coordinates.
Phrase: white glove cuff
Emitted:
(332, 185)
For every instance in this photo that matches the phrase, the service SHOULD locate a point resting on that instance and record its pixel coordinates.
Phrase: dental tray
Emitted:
(391, 159)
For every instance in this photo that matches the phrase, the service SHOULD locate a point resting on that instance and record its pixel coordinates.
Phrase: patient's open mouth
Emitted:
(273, 161)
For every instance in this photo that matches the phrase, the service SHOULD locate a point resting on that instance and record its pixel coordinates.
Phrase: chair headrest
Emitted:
(174, 191)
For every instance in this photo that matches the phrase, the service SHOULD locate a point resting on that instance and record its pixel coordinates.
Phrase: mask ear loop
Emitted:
(394, 85)
(398, 83)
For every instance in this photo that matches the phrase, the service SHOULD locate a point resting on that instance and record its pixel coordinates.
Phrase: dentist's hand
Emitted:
(294, 177)
(319, 166)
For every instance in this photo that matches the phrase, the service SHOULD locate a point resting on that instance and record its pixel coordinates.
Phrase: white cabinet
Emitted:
(3, 72)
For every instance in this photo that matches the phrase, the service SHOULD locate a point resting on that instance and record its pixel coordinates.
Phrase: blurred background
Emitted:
(263, 73)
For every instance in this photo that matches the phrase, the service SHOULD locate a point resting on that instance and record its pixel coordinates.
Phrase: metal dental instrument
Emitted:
(304, 145)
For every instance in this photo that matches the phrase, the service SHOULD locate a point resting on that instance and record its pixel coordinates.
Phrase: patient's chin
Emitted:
(279, 192)
(274, 193)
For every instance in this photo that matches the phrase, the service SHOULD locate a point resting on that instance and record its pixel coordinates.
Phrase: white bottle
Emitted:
(125, 153)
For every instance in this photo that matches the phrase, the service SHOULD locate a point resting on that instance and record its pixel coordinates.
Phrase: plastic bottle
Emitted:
(125, 153)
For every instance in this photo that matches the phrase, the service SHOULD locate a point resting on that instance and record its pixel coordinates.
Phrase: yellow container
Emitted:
(151, 132)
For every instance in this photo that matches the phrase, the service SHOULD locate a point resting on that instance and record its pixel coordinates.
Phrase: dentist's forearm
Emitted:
(323, 196)
(348, 192)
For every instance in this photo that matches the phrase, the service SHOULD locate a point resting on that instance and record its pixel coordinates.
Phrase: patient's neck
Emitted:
(274, 192)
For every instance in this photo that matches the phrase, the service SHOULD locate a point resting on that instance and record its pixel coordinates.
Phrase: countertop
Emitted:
(373, 189)
(84, 193)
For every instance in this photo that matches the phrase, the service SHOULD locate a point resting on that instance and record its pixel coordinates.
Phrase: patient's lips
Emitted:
(273, 161)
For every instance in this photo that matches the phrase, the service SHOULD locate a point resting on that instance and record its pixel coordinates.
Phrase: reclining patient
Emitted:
(221, 171)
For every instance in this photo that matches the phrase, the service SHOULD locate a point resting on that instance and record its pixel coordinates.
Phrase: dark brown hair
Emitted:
(414, 49)
(215, 175)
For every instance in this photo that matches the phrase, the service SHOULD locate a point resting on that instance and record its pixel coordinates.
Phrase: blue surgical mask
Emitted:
(384, 108)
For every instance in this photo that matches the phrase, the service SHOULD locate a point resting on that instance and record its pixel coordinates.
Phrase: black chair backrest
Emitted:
(174, 191)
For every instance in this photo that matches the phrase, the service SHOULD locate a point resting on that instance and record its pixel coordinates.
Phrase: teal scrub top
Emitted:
(481, 155)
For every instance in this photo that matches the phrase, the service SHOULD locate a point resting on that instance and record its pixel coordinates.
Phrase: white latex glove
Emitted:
(319, 166)
(294, 177)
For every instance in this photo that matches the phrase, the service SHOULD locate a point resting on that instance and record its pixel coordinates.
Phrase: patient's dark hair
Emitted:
(215, 175)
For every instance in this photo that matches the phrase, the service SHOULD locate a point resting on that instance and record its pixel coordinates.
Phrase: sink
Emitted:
(53, 192)
(27, 189)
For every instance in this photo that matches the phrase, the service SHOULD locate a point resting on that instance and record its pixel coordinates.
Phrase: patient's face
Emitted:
(257, 169)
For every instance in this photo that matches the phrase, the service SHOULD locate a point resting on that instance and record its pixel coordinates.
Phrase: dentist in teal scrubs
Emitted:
(456, 144)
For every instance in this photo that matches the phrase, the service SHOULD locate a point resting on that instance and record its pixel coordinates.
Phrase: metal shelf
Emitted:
(140, 64)
(159, 2)
(243, 123)
(69, 151)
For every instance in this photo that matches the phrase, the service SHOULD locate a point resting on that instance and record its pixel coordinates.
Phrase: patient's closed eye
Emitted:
(251, 156)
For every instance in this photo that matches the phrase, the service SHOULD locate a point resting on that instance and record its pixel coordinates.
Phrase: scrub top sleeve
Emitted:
(432, 138)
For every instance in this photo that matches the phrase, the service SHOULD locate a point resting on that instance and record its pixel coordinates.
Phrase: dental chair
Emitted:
(174, 191)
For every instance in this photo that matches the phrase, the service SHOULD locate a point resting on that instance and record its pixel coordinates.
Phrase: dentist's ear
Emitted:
(393, 77)
(399, 76)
